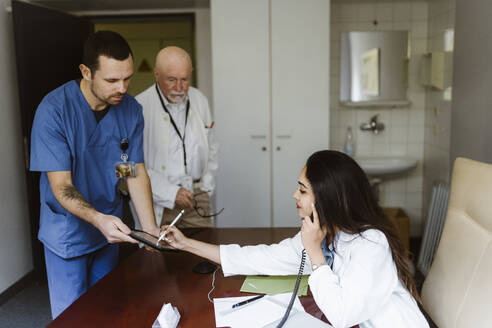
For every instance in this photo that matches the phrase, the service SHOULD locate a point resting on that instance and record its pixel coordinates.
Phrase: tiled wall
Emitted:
(438, 103)
(405, 127)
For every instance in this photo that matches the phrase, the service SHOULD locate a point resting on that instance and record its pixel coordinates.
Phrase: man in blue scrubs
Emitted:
(80, 132)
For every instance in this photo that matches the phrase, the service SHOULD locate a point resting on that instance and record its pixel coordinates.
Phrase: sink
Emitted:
(379, 166)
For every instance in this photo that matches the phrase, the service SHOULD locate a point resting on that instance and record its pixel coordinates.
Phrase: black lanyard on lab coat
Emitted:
(174, 124)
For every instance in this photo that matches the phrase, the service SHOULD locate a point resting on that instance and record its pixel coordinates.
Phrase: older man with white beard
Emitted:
(180, 151)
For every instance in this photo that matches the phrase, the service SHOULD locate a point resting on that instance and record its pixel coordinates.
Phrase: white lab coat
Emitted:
(363, 287)
(199, 141)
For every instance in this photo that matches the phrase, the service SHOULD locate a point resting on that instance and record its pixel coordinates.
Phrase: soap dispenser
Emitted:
(348, 147)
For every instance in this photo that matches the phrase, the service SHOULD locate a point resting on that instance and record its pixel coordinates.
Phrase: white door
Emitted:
(241, 86)
(300, 95)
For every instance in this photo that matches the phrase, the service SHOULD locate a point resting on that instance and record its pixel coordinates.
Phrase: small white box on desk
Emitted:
(168, 317)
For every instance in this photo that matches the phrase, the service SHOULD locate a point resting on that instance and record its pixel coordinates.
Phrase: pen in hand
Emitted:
(163, 234)
(248, 301)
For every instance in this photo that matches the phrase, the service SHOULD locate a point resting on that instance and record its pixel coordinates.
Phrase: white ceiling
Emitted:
(103, 5)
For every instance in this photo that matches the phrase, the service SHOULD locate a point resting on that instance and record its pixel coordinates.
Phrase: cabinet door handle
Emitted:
(263, 148)
(258, 136)
(283, 136)
(278, 148)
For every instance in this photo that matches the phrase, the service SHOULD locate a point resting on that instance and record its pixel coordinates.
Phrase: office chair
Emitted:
(457, 292)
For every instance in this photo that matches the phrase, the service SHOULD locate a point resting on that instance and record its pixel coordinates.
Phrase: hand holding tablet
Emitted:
(151, 240)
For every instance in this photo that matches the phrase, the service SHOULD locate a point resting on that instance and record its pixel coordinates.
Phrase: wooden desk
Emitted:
(132, 294)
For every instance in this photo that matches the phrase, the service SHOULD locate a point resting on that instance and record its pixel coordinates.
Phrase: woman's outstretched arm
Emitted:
(177, 240)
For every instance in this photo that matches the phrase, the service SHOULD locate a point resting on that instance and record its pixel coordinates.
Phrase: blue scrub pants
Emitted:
(70, 278)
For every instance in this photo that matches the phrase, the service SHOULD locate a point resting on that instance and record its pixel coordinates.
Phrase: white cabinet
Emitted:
(271, 94)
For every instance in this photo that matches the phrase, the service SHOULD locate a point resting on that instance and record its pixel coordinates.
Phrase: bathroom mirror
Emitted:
(374, 69)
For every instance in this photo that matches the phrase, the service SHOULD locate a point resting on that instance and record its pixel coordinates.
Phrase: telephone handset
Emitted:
(296, 288)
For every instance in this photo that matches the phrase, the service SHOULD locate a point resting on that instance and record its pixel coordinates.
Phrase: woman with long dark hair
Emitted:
(356, 263)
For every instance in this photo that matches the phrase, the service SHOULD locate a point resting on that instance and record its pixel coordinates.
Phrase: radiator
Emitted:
(435, 221)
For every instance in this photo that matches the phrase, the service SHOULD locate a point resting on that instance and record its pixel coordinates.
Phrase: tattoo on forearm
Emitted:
(72, 194)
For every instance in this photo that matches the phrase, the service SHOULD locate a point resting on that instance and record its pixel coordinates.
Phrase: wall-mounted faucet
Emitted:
(373, 125)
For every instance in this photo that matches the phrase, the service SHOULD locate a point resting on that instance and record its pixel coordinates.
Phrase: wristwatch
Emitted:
(316, 266)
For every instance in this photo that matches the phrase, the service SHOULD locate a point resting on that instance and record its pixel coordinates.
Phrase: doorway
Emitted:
(146, 36)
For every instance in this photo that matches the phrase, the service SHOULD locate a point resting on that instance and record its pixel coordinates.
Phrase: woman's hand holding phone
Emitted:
(312, 235)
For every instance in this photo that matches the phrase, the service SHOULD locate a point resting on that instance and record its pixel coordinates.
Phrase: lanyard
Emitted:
(124, 143)
(174, 124)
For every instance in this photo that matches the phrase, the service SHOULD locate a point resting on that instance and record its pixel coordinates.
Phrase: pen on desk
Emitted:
(163, 234)
(248, 301)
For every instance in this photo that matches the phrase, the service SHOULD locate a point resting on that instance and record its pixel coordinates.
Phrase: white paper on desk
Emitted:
(255, 314)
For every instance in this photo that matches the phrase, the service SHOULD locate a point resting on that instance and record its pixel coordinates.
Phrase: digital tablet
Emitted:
(151, 240)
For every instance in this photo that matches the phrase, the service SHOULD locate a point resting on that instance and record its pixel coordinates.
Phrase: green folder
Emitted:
(272, 285)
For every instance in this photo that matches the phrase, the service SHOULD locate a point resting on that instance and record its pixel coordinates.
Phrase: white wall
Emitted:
(404, 132)
(204, 52)
(15, 240)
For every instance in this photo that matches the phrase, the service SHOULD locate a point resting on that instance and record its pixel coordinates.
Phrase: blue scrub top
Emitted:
(66, 137)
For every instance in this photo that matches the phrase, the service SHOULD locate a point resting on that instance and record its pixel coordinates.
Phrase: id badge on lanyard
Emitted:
(125, 169)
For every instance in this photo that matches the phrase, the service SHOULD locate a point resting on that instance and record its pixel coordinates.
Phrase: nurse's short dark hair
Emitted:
(104, 43)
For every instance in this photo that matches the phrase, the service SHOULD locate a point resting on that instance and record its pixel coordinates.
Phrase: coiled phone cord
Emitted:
(213, 285)
(296, 288)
